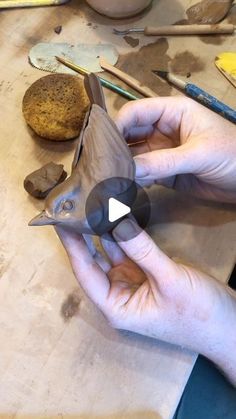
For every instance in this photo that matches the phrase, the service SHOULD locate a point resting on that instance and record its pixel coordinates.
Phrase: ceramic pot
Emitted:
(117, 9)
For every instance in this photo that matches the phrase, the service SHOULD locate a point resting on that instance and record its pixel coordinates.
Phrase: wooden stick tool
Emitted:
(224, 28)
(131, 81)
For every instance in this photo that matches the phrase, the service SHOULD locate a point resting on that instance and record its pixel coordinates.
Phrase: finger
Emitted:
(99, 259)
(146, 112)
(160, 164)
(90, 276)
(113, 251)
(140, 248)
(124, 271)
(136, 134)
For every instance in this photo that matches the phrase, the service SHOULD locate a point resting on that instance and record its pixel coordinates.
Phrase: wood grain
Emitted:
(226, 28)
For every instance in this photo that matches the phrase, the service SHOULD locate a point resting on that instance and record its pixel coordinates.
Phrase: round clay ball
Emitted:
(55, 106)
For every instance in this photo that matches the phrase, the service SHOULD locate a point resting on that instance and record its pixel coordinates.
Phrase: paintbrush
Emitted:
(199, 95)
(104, 82)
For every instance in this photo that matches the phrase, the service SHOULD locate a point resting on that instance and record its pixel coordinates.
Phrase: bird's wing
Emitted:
(105, 153)
(80, 142)
(94, 90)
(102, 152)
(95, 94)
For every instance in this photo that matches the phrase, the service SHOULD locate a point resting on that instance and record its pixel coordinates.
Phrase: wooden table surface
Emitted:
(51, 367)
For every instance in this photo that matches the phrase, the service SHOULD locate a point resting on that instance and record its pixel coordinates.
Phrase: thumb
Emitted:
(142, 250)
(160, 164)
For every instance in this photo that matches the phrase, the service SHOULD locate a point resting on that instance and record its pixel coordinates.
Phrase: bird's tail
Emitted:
(94, 90)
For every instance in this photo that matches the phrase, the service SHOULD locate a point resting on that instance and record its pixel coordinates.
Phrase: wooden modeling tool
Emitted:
(131, 81)
(104, 82)
(226, 64)
(199, 95)
(226, 28)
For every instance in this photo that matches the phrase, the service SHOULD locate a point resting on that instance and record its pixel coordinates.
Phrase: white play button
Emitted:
(117, 210)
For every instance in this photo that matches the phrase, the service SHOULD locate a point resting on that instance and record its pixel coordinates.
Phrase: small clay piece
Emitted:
(208, 11)
(55, 106)
(232, 15)
(133, 42)
(58, 29)
(42, 181)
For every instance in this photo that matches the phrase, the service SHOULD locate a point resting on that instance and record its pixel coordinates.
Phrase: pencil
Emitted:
(104, 82)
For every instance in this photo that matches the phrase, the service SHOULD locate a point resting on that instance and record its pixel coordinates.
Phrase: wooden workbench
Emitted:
(81, 368)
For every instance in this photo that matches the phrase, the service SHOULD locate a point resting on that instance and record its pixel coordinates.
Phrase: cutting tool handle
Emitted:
(211, 102)
(189, 29)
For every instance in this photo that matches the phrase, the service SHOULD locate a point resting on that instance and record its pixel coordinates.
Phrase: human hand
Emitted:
(188, 147)
(142, 290)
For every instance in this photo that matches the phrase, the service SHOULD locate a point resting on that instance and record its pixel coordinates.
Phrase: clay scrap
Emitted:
(58, 29)
(208, 11)
(39, 183)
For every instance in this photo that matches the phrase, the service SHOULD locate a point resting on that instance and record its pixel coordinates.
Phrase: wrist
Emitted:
(220, 340)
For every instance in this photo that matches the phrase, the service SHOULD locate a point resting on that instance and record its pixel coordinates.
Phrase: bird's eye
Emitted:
(68, 205)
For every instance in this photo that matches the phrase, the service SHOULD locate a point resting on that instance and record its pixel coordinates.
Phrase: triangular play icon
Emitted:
(117, 210)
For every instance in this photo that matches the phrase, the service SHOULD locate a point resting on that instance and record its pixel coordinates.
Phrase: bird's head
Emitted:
(61, 206)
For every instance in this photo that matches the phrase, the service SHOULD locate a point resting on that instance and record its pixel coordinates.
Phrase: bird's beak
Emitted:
(42, 220)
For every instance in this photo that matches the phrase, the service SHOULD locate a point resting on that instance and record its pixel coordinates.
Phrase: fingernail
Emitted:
(126, 230)
(141, 168)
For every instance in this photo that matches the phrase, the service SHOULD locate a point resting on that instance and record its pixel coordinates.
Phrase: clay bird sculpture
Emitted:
(103, 167)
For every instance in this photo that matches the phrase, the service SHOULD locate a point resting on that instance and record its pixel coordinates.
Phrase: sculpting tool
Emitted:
(180, 30)
(131, 81)
(104, 82)
(199, 95)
